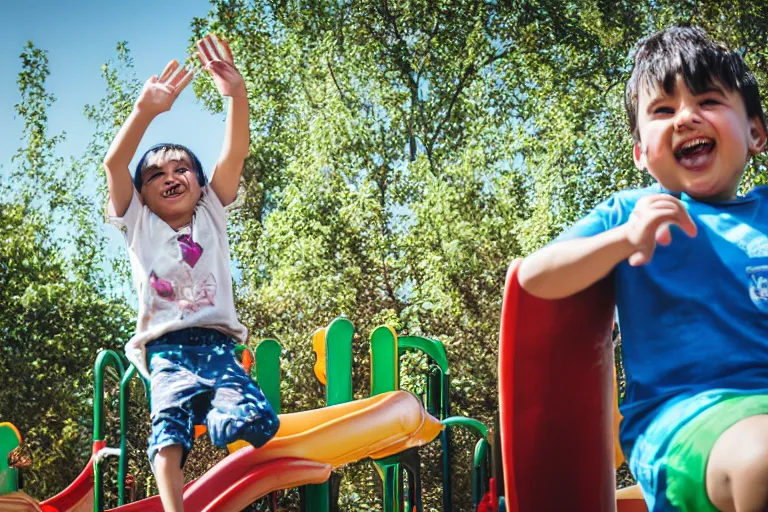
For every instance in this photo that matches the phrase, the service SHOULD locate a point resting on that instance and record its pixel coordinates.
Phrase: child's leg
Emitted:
(719, 459)
(239, 410)
(179, 396)
(170, 477)
(737, 471)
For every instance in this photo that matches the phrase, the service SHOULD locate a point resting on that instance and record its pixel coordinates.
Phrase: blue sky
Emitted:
(80, 36)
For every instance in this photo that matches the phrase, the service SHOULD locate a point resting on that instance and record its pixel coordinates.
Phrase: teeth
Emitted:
(694, 142)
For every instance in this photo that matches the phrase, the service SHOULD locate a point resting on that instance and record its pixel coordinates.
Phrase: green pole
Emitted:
(437, 391)
(385, 365)
(122, 471)
(480, 471)
(105, 357)
(338, 358)
(385, 377)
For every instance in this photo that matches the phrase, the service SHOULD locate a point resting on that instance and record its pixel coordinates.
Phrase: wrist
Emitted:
(144, 111)
(239, 94)
(622, 242)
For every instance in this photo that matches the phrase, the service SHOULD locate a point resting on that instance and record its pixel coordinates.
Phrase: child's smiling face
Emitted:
(696, 143)
(170, 188)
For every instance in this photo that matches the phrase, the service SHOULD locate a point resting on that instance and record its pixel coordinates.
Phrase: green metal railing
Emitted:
(104, 359)
(437, 398)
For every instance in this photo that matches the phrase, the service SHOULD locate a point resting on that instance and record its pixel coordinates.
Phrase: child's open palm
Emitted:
(159, 92)
(217, 59)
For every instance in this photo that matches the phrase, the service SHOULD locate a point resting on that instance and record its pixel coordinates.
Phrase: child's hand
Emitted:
(649, 225)
(217, 60)
(159, 93)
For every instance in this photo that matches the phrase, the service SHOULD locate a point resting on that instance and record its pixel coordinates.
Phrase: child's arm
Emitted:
(157, 96)
(217, 59)
(566, 268)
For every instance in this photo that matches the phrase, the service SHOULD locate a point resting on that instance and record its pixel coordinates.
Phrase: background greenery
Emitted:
(402, 154)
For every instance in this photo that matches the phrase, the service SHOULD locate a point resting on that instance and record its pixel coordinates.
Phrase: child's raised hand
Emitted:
(217, 59)
(649, 225)
(159, 93)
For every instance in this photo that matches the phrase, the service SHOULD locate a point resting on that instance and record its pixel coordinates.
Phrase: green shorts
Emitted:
(689, 449)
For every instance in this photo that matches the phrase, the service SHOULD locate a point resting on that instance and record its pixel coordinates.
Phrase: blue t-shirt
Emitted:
(696, 317)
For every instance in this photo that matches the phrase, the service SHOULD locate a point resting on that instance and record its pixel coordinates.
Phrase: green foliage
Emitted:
(55, 314)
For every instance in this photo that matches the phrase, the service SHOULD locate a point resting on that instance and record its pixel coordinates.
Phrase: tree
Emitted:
(55, 314)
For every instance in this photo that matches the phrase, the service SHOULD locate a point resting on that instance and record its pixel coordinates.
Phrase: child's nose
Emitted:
(687, 117)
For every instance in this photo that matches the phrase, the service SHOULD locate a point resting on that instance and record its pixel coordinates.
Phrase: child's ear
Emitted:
(639, 156)
(757, 136)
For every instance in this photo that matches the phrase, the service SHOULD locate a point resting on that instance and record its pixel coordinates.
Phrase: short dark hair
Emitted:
(702, 63)
(166, 146)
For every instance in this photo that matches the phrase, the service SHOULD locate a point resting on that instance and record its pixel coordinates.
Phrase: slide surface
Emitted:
(307, 446)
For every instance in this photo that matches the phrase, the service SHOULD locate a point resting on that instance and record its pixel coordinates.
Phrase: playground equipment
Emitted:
(386, 427)
(307, 446)
(333, 368)
(557, 402)
(386, 350)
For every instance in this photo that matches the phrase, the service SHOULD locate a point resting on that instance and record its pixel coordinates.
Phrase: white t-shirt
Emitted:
(182, 277)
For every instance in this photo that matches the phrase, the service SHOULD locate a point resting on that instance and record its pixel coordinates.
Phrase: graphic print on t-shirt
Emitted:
(177, 293)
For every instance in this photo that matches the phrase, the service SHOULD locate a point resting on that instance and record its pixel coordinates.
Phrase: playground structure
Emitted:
(558, 404)
(388, 428)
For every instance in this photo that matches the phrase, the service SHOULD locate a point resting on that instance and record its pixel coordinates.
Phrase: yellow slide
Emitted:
(305, 448)
(375, 427)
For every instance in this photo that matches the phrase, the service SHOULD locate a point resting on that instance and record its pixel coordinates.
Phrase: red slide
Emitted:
(231, 485)
(555, 394)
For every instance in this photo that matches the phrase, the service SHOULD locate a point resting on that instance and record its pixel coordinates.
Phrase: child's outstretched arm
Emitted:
(157, 96)
(217, 59)
(565, 268)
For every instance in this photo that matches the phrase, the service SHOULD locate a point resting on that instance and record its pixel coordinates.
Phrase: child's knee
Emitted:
(255, 427)
(167, 459)
(258, 431)
(737, 470)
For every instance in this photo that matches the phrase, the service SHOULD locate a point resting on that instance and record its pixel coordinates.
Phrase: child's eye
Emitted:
(710, 101)
(155, 175)
(664, 110)
(181, 170)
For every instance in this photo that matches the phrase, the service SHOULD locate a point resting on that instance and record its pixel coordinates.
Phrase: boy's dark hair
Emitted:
(702, 63)
(198, 167)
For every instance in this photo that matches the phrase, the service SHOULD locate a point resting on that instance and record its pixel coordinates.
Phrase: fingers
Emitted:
(212, 48)
(227, 51)
(663, 208)
(168, 71)
(650, 225)
(221, 68)
(184, 80)
(687, 224)
(663, 235)
(637, 259)
(204, 52)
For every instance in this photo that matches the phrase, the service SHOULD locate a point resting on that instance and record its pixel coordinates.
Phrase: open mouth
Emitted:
(173, 191)
(695, 152)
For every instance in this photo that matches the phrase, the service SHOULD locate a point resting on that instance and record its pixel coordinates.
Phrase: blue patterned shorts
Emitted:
(196, 380)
